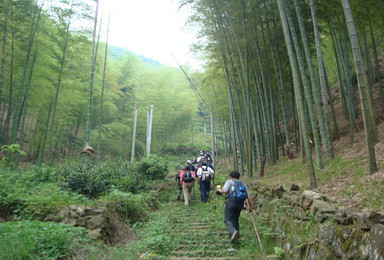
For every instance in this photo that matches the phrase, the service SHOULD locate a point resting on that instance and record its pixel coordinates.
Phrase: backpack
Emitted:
(205, 175)
(187, 176)
(208, 156)
(200, 159)
(238, 191)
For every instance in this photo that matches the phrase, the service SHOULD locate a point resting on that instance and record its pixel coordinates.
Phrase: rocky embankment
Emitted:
(100, 222)
(310, 226)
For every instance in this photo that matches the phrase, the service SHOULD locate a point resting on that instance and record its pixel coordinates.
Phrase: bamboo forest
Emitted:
(271, 149)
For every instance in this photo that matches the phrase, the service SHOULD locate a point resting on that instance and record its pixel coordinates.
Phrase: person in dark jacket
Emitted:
(189, 163)
(232, 207)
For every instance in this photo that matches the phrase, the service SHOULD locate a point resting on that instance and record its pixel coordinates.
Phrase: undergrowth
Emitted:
(28, 195)
(344, 179)
(38, 240)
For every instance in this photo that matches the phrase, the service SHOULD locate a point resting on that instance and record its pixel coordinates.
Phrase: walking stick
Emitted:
(257, 233)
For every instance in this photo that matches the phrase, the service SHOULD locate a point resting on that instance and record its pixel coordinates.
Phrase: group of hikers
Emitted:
(236, 192)
(204, 172)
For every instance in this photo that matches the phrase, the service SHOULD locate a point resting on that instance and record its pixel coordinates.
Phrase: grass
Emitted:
(155, 215)
(173, 225)
(346, 180)
(39, 240)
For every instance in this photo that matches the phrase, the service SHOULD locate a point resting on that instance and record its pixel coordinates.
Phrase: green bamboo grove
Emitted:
(63, 87)
(290, 68)
(282, 78)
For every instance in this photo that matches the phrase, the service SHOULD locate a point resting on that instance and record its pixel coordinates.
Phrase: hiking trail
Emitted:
(197, 235)
(199, 232)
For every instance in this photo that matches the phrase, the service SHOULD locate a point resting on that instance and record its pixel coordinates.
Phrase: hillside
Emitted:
(117, 52)
(346, 179)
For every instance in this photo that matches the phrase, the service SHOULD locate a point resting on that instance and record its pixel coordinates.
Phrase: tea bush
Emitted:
(44, 190)
(48, 198)
(22, 195)
(38, 240)
(132, 207)
(153, 168)
(93, 180)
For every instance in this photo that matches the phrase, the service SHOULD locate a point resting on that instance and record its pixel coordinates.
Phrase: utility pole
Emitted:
(134, 134)
(149, 128)
(205, 131)
(212, 137)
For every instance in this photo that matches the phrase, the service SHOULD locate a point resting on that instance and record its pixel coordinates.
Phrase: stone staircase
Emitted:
(196, 236)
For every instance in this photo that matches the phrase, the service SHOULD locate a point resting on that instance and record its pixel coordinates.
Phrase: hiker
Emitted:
(205, 174)
(189, 163)
(237, 192)
(209, 164)
(208, 156)
(187, 178)
(199, 159)
(178, 182)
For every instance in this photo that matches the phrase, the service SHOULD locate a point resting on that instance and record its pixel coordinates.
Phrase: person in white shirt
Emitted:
(205, 174)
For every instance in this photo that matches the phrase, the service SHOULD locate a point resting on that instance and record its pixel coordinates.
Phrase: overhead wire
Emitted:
(197, 93)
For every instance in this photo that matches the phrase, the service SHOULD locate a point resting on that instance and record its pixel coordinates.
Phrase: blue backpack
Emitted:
(238, 191)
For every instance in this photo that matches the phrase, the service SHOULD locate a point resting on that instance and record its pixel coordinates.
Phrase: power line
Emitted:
(192, 84)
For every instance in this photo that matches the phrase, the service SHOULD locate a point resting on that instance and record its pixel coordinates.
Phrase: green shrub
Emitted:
(14, 187)
(22, 195)
(47, 173)
(48, 198)
(90, 180)
(130, 183)
(133, 207)
(93, 180)
(153, 168)
(38, 240)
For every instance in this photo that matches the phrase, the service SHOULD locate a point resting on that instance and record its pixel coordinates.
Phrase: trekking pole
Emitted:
(257, 233)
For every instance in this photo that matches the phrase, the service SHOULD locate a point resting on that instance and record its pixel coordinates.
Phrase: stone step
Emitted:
(197, 235)
(201, 232)
(211, 237)
(203, 258)
(191, 224)
(204, 253)
(199, 246)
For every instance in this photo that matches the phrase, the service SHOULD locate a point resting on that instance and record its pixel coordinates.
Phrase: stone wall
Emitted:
(331, 232)
(101, 223)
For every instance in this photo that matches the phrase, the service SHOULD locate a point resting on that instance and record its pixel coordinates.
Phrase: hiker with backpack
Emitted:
(199, 159)
(187, 179)
(189, 163)
(178, 182)
(209, 164)
(237, 192)
(208, 156)
(205, 174)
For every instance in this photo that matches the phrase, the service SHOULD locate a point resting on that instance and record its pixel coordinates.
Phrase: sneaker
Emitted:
(234, 236)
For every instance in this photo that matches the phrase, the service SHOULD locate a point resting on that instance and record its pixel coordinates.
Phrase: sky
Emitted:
(152, 28)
